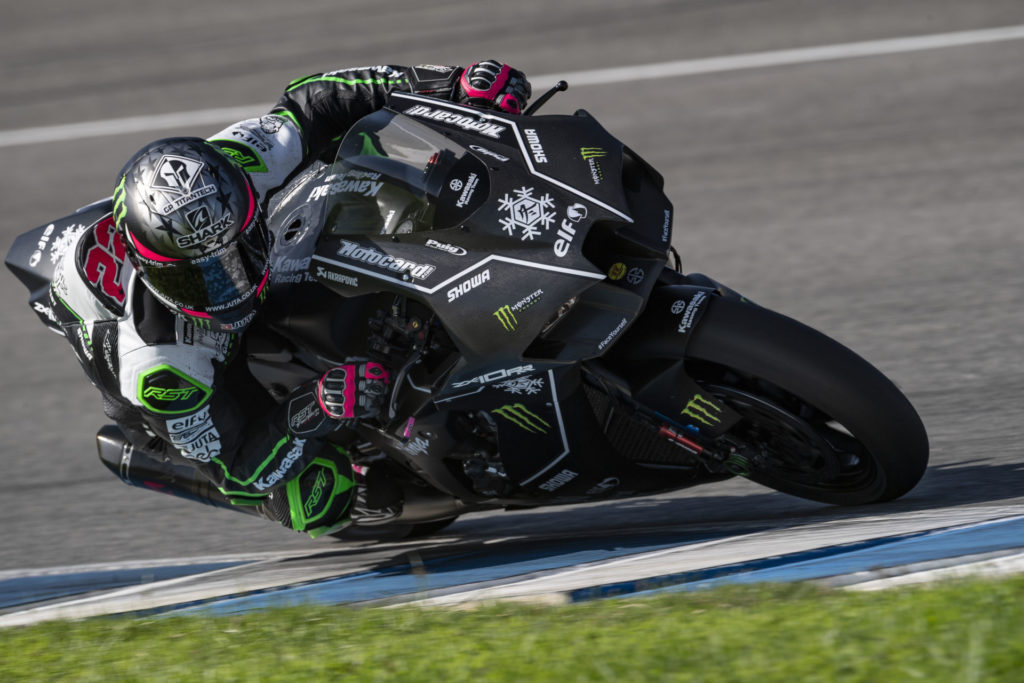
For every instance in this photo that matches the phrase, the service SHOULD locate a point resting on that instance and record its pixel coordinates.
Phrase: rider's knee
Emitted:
(318, 501)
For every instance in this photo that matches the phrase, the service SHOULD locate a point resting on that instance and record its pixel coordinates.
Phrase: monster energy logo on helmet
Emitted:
(523, 417)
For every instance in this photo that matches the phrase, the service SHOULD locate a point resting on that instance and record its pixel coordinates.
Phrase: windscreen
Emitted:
(393, 175)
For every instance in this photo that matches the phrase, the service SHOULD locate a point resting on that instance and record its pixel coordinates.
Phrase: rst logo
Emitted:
(468, 285)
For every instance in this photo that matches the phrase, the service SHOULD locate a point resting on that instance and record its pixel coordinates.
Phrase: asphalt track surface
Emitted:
(877, 198)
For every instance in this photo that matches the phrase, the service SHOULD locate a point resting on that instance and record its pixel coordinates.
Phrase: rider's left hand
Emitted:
(492, 84)
(353, 391)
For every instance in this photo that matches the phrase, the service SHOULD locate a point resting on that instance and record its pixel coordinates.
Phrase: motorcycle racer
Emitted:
(155, 300)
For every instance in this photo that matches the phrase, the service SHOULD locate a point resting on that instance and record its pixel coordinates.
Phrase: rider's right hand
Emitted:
(492, 84)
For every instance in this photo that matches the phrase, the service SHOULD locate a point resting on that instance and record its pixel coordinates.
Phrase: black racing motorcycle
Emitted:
(512, 271)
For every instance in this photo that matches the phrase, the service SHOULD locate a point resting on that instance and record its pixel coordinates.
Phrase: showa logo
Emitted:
(176, 182)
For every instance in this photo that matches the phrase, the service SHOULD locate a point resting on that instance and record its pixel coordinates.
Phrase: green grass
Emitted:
(967, 631)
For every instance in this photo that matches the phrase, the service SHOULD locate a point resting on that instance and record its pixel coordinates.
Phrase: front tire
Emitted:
(818, 421)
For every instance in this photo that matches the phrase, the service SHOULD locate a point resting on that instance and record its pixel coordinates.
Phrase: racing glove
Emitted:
(353, 391)
(492, 84)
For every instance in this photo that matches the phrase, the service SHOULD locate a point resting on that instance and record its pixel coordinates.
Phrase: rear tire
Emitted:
(823, 423)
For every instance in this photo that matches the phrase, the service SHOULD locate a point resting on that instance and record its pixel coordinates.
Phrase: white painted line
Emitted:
(994, 568)
(131, 124)
(760, 60)
(689, 67)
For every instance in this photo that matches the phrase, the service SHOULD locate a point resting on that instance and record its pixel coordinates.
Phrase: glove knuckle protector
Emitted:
(353, 391)
(491, 83)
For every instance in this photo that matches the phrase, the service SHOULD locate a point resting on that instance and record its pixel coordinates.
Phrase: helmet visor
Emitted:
(217, 282)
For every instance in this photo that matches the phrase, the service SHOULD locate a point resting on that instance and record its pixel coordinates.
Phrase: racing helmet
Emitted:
(194, 231)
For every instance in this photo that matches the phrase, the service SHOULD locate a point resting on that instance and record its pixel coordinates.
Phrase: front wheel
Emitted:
(817, 420)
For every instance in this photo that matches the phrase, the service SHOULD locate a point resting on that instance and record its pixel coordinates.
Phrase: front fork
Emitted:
(686, 414)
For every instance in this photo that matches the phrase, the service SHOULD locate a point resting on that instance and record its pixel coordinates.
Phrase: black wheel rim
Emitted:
(786, 441)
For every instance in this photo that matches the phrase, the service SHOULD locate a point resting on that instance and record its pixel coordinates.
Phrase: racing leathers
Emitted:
(169, 381)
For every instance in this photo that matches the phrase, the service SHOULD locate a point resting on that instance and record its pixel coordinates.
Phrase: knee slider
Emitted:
(320, 498)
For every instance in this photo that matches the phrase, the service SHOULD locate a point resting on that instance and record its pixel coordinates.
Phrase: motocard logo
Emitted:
(418, 271)
(467, 123)
(468, 285)
(444, 246)
(174, 183)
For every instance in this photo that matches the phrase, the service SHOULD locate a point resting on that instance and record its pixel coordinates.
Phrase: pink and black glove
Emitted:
(353, 391)
(493, 84)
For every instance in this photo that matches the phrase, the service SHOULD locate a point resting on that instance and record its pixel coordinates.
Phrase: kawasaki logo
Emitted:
(277, 475)
(491, 130)
(523, 417)
(418, 271)
(702, 410)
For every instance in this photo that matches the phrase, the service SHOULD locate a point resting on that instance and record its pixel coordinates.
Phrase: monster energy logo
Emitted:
(592, 152)
(700, 409)
(521, 416)
(506, 318)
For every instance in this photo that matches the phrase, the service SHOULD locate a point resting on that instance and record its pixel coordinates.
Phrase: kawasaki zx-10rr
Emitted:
(512, 272)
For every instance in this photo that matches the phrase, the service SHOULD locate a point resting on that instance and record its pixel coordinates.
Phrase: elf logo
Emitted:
(567, 231)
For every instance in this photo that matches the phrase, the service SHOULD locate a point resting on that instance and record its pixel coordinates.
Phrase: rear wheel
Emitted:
(818, 421)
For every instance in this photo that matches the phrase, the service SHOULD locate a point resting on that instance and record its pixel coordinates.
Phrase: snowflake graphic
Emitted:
(522, 385)
(66, 239)
(526, 213)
